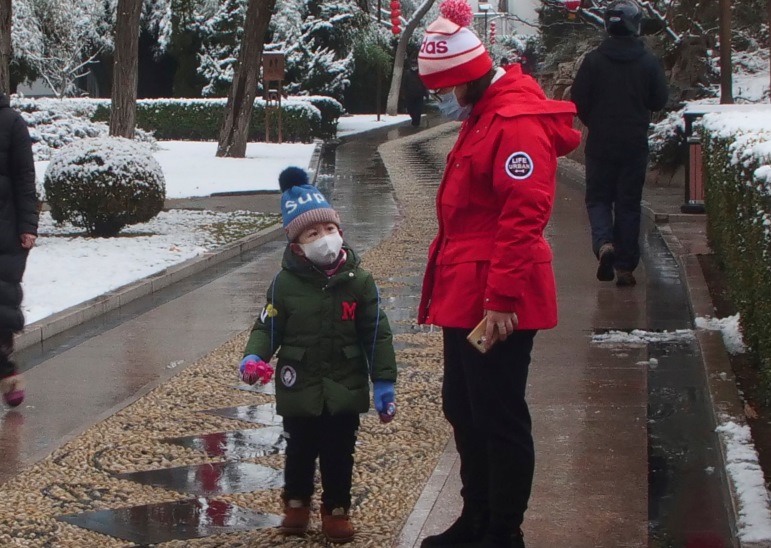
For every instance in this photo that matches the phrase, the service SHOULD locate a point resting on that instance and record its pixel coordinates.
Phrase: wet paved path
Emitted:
(87, 374)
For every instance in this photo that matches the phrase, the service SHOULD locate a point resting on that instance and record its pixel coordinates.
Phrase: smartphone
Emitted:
(477, 336)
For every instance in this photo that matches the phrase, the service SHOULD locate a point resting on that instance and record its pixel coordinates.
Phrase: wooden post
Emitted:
(726, 65)
(5, 46)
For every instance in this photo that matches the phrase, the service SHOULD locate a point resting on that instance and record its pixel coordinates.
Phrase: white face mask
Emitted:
(324, 251)
(451, 108)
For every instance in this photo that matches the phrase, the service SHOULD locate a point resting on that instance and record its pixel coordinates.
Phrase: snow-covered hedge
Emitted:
(737, 171)
(104, 184)
(54, 123)
(303, 118)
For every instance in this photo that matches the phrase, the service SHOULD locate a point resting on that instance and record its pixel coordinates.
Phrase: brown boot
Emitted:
(297, 516)
(606, 257)
(624, 278)
(336, 525)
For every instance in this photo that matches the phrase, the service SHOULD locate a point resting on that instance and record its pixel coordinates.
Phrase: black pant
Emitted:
(331, 439)
(7, 367)
(484, 401)
(415, 110)
(613, 195)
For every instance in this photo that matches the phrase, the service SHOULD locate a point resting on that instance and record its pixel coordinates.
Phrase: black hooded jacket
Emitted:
(18, 211)
(615, 90)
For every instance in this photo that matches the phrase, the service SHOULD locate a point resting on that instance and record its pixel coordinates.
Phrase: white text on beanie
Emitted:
(451, 54)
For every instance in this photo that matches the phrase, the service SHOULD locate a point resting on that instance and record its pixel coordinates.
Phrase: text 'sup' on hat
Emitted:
(302, 204)
(451, 53)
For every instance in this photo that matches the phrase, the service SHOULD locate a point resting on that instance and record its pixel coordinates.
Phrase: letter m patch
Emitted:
(349, 311)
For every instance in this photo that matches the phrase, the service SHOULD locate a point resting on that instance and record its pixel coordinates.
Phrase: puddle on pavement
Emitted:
(216, 478)
(236, 445)
(686, 478)
(259, 414)
(155, 523)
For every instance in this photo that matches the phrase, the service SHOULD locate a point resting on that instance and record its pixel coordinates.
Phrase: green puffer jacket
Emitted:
(331, 337)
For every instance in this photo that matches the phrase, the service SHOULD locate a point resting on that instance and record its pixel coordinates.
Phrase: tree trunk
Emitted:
(726, 65)
(238, 112)
(5, 46)
(392, 106)
(125, 69)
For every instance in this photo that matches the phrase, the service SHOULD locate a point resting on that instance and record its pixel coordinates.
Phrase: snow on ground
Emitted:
(349, 125)
(65, 270)
(748, 480)
(729, 327)
(638, 336)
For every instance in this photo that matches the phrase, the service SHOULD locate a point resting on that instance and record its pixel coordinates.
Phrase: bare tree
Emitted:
(5, 46)
(238, 112)
(125, 69)
(392, 105)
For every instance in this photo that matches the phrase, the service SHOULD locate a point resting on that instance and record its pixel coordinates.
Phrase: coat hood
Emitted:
(5, 101)
(622, 49)
(517, 94)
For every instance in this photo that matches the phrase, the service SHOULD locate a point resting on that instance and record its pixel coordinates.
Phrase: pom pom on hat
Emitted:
(457, 11)
(302, 204)
(451, 53)
(292, 176)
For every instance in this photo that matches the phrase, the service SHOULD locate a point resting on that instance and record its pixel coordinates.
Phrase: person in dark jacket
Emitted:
(18, 232)
(323, 316)
(414, 93)
(616, 88)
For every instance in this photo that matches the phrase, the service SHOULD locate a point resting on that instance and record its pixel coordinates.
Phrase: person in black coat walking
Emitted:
(414, 93)
(616, 88)
(18, 232)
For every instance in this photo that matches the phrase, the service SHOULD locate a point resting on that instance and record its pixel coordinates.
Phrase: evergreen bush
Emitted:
(303, 119)
(738, 204)
(104, 184)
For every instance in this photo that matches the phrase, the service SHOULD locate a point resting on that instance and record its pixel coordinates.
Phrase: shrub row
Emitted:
(303, 118)
(738, 204)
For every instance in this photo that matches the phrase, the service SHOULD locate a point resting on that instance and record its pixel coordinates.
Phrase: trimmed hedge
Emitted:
(303, 118)
(738, 204)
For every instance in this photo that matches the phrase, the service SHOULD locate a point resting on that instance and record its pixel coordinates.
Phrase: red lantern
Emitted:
(396, 30)
(395, 5)
(395, 14)
(572, 6)
(492, 32)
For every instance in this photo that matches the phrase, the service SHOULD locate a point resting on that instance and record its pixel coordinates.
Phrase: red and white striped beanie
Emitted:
(451, 54)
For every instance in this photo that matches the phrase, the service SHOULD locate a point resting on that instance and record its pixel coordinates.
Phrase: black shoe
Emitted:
(624, 278)
(606, 256)
(503, 540)
(468, 530)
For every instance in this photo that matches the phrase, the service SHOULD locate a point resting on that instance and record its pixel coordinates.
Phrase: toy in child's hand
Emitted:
(389, 414)
(254, 369)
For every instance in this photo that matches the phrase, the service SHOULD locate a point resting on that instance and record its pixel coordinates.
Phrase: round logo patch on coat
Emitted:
(519, 165)
(288, 376)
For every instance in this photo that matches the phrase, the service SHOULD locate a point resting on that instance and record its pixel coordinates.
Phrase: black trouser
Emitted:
(331, 439)
(7, 367)
(415, 110)
(613, 195)
(484, 401)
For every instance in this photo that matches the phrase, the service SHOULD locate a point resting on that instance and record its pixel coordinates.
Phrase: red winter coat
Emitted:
(493, 205)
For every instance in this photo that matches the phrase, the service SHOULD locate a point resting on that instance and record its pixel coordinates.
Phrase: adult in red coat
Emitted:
(490, 260)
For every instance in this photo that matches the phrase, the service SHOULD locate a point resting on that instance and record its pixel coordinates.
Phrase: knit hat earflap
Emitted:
(302, 204)
(451, 54)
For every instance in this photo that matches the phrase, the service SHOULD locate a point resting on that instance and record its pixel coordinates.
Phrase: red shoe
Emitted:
(336, 525)
(13, 390)
(297, 516)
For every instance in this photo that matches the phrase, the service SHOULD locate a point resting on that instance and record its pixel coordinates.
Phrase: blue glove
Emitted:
(383, 395)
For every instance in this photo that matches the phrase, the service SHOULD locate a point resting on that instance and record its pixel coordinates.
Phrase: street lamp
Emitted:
(485, 7)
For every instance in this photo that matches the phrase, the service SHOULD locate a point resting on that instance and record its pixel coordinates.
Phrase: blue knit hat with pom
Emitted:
(302, 204)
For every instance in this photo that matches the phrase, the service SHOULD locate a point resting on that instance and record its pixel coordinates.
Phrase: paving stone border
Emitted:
(37, 332)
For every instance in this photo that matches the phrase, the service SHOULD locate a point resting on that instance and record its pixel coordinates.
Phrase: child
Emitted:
(323, 316)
